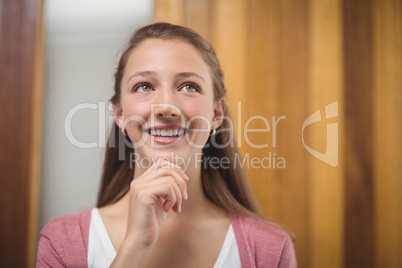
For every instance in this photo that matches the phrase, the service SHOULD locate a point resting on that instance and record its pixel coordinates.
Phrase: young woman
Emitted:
(171, 195)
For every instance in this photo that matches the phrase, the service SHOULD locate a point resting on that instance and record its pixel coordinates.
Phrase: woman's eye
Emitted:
(142, 88)
(190, 88)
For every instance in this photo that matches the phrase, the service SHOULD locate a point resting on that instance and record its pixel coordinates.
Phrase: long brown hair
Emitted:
(226, 187)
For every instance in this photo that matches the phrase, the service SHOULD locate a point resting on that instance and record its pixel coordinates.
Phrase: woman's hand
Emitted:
(152, 195)
(159, 189)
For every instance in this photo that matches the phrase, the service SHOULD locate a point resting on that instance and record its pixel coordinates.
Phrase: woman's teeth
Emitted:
(167, 132)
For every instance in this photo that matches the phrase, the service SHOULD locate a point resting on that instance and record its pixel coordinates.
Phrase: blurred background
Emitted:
(283, 61)
(82, 44)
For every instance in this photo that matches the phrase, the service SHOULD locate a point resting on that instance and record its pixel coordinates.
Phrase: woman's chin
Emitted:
(173, 155)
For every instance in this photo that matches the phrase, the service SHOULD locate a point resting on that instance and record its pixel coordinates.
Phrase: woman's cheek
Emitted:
(135, 114)
(200, 122)
(136, 108)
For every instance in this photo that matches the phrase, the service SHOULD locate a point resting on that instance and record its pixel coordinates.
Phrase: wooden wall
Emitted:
(294, 57)
(21, 60)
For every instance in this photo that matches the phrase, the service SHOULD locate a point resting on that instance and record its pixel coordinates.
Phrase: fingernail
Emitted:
(185, 195)
(180, 208)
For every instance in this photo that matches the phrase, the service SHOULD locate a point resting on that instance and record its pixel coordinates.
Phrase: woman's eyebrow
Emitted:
(188, 74)
(152, 73)
(143, 73)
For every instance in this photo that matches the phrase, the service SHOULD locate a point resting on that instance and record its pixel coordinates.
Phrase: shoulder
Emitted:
(63, 239)
(262, 242)
(69, 224)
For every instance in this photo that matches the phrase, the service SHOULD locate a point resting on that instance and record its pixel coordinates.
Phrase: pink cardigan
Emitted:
(64, 242)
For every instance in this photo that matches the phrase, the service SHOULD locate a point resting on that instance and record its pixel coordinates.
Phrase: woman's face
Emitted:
(167, 103)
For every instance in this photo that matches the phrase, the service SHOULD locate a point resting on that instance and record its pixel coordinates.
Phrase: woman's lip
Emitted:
(167, 134)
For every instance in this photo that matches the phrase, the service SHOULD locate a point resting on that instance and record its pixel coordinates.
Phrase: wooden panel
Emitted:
(36, 136)
(18, 203)
(263, 80)
(388, 131)
(325, 87)
(358, 73)
(293, 183)
(172, 11)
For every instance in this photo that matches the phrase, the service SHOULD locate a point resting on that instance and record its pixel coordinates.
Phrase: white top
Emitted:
(101, 252)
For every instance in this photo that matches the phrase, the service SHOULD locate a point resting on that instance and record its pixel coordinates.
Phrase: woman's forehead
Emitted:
(159, 55)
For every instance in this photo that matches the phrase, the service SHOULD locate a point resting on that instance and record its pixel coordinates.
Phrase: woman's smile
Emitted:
(167, 134)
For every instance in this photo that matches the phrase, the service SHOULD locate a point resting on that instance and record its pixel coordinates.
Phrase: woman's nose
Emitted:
(165, 104)
(166, 110)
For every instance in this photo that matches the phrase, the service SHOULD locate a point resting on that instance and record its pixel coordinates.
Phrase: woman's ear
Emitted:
(219, 112)
(118, 116)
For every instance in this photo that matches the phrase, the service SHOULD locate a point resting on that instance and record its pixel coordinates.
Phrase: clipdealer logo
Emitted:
(330, 156)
